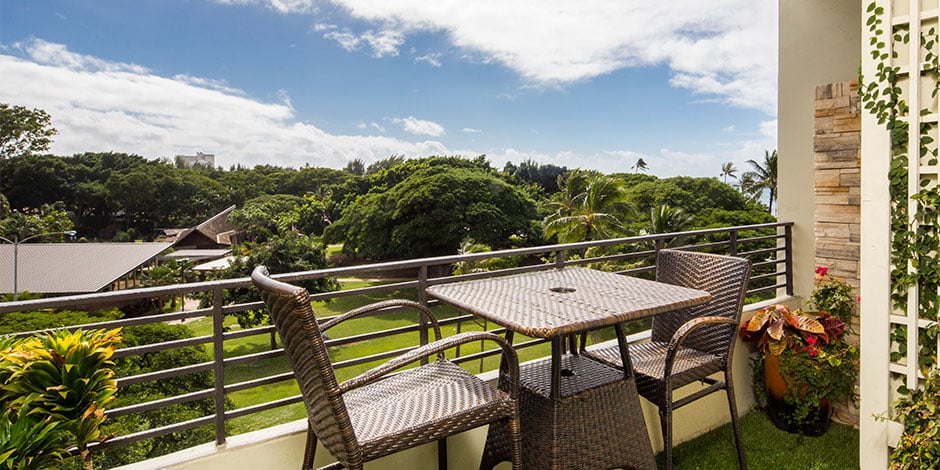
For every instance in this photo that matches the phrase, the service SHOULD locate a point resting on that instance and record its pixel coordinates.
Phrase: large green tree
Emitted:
(24, 131)
(430, 211)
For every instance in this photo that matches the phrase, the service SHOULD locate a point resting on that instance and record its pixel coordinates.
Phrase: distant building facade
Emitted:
(202, 159)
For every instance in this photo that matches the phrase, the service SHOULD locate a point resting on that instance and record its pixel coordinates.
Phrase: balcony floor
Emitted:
(767, 447)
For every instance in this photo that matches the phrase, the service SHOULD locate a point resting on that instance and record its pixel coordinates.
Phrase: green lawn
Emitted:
(767, 447)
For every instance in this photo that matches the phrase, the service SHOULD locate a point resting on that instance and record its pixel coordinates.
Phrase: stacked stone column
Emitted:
(837, 183)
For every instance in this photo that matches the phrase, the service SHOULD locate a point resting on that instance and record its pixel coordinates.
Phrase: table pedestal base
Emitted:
(596, 423)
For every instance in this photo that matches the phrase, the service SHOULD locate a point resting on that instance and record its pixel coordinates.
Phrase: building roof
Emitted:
(197, 253)
(72, 268)
(216, 228)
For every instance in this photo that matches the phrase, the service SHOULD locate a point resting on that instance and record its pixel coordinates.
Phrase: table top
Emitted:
(558, 302)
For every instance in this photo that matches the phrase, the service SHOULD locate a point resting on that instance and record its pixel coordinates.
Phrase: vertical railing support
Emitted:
(733, 243)
(423, 300)
(560, 259)
(788, 252)
(218, 356)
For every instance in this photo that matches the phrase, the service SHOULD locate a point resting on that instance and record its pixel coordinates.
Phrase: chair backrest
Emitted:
(724, 277)
(292, 315)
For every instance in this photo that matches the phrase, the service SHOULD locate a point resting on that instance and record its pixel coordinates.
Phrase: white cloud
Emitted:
(434, 59)
(470, 130)
(98, 105)
(383, 43)
(720, 48)
(417, 126)
(729, 128)
(282, 6)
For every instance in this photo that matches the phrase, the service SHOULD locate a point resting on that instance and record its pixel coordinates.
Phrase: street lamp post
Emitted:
(16, 251)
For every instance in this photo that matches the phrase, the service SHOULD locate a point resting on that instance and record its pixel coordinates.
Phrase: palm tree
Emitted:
(765, 177)
(747, 187)
(590, 206)
(727, 170)
(668, 219)
(640, 165)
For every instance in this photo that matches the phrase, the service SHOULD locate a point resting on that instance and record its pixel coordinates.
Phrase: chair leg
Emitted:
(442, 454)
(310, 451)
(733, 407)
(515, 442)
(665, 417)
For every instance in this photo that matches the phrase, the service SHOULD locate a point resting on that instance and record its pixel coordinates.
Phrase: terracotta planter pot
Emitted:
(780, 411)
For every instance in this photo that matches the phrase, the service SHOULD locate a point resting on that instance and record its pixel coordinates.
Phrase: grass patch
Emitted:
(767, 447)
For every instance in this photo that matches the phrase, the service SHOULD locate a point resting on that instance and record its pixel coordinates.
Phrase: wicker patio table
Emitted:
(576, 413)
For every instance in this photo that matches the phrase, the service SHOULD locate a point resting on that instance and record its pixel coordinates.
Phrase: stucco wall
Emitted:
(819, 43)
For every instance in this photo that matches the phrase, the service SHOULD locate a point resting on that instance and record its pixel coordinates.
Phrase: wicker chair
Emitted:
(690, 345)
(377, 413)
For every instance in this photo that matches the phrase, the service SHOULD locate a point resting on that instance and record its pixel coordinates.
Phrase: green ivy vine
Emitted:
(915, 244)
(915, 240)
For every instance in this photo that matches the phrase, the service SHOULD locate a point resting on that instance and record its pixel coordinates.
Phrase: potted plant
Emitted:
(805, 360)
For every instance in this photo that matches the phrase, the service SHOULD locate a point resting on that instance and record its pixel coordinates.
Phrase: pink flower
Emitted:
(822, 270)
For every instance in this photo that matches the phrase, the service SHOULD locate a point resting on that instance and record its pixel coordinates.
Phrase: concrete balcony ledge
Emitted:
(281, 447)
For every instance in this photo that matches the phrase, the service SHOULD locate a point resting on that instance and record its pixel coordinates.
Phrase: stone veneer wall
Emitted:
(837, 183)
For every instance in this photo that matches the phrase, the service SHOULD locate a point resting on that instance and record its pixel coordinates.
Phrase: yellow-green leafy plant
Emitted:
(65, 375)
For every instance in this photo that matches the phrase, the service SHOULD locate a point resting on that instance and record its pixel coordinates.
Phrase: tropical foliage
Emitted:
(816, 363)
(590, 206)
(63, 375)
(763, 176)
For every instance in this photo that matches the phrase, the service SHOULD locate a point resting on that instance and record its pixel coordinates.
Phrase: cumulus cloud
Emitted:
(724, 49)
(417, 126)
(470, 130)
(98, 105)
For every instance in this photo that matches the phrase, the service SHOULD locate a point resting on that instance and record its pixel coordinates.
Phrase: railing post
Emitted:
(218, 355)
(423, 300)
(788, 252)
(733, 243)
(559, 259)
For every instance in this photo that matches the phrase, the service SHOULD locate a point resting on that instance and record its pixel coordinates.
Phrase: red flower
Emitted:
(822, 270)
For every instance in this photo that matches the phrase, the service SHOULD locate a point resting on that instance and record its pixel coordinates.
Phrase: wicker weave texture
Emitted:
(375, 414)
(552, 303)
(691, 344)
(597, 423)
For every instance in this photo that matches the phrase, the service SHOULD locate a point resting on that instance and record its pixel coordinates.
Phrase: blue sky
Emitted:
(685, 84)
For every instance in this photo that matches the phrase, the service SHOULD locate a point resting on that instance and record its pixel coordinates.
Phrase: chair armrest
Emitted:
(435, 348)
(679, 336)
(385, 304)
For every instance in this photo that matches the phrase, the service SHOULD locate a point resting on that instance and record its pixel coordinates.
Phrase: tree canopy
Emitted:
(24, 131)
(431, 211)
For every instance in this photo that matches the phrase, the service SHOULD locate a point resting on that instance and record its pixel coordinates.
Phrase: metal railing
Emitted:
(768, 246)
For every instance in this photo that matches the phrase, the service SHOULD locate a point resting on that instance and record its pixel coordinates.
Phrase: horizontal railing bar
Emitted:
(157, 347)
(155, 432)
(254, 357)
(164, 374)
(271, 379)
(238, 413)
(761, 277)
(764, 251)
(766, 289)
(161, 403)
